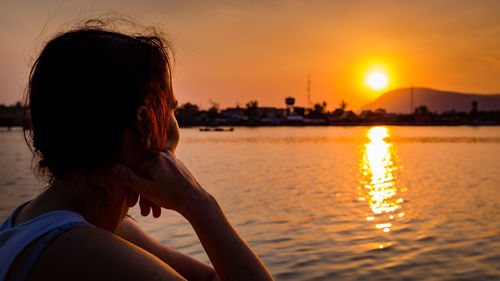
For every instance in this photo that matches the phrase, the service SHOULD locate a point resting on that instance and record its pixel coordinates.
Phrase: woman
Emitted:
(104, 135)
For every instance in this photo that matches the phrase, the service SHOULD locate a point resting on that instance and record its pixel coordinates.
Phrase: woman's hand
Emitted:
(171, 185)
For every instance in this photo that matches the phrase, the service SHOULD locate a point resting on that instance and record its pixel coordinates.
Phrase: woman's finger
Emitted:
(132, 198)
(145, 205)
(156, 210)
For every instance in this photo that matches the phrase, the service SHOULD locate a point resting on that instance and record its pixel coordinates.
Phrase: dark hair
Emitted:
(84, 91)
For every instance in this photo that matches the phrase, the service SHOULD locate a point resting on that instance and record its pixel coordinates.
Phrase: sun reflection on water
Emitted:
(378, 180)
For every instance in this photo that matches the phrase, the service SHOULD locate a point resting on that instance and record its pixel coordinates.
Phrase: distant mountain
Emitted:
(399, 101)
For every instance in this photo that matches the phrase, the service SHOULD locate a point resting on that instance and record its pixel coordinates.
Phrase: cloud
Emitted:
(492, 61)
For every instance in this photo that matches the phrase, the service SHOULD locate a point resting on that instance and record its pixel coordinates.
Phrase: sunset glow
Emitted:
(226, 56)
(377, 81)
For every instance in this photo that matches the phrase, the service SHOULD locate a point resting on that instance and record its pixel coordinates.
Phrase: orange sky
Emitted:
(231, 52)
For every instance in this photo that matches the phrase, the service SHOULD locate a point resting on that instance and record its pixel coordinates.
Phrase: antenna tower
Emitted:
(411, 99)
(309, 89)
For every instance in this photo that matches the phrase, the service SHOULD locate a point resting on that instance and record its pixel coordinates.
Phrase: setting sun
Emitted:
(377, 81)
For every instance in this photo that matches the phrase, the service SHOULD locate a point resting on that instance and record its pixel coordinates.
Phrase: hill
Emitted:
(436, 101)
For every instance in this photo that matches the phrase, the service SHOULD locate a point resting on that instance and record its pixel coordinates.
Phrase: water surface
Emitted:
(335, 203)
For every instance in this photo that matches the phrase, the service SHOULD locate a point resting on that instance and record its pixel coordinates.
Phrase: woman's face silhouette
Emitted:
(173, 134)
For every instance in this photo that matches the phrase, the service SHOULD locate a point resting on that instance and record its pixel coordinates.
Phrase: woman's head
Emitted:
(87, 88)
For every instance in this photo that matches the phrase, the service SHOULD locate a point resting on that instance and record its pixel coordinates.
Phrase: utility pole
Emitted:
(309, 89)
(411, 99)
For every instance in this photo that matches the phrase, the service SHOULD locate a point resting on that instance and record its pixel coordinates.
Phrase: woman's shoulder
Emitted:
(90, 253)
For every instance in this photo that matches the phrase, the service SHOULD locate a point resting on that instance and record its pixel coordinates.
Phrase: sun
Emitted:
(377, 80)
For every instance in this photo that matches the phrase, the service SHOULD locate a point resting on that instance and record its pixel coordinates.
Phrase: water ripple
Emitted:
(294, 195)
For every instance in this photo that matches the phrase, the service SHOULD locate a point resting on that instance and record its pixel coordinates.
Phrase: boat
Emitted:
(216, 129)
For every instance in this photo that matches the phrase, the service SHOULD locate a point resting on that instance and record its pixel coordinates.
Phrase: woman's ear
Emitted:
(143, 126)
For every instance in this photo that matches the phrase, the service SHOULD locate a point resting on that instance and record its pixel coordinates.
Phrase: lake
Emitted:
(334, 203)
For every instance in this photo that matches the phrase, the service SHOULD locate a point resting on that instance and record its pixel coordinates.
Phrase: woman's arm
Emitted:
(232, 258)
(91, 253)
(173, 186)
(188, 267)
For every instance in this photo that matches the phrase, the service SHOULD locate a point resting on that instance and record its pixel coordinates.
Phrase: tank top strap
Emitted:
(44, 243)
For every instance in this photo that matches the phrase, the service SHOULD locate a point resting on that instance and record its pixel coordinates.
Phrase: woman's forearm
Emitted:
(186, 266)
(231, 257)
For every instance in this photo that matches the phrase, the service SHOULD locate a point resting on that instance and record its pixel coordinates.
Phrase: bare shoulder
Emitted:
(88, 253)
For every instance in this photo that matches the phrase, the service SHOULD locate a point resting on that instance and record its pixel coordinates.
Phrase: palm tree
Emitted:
(343, 105)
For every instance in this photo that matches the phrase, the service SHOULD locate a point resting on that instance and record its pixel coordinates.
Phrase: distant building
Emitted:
(297, 110)
(349, 116)
(365, 115)
(314, 121)
(271, 112)
(271, 115)
(295, 119)
(334, 117)
(233, 114)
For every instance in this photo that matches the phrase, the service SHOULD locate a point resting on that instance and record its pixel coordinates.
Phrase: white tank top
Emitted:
(14, 239)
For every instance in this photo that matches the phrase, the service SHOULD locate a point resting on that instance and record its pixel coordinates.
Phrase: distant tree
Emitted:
(337, 112)
(299, 110)
(251, 112)
(212, 114)
(213, 111)
(214, 106)
(189, 107)
(343, 105)
(318, 111)
(252, 104)
(187, 114)
(380, 111)
(421, 110)
(319, 108)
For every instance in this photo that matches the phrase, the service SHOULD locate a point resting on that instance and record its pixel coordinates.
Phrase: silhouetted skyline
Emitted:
(234, 51)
